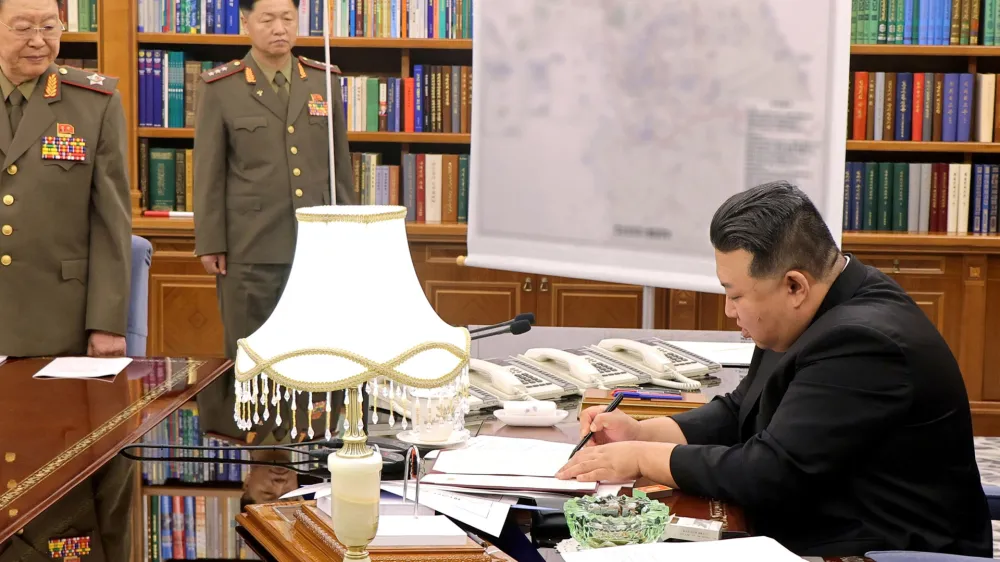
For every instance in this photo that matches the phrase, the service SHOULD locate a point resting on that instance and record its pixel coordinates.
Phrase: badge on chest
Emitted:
(65, 145)
(317, 107)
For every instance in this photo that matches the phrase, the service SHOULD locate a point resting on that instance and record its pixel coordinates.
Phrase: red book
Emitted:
(408, 104)
(860, 105)
(917, 107)
(420, 193)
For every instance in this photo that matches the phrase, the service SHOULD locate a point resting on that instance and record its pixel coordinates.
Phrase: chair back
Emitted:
(138, 306)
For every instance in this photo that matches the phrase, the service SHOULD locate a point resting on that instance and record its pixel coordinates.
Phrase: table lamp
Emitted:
(352, 316)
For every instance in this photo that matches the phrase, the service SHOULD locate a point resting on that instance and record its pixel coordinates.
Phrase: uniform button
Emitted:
(296, 172)
(294, 150)
(5, 260)
(8, 200)
(7, 230)
(63, 71)
(11, 484)
(298, 193)
(291, 129)
(12, 512)
(10, 457)
(12, 169)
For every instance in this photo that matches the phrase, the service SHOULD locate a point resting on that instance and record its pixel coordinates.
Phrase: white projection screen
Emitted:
(606, 133)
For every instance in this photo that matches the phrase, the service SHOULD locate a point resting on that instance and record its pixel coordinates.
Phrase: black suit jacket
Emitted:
(857, 438)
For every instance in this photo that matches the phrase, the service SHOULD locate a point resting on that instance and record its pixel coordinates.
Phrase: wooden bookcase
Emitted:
(955, 279)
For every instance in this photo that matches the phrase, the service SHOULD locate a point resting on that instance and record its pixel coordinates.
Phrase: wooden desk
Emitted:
(56, 433)
(682, 504)
(272, 531)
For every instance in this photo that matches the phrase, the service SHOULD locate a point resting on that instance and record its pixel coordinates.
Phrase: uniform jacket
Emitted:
(255, 164)
(65, 216)
(857, 438)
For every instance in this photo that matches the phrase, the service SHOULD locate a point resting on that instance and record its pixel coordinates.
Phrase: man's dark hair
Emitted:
(246, 6)
(779, 226)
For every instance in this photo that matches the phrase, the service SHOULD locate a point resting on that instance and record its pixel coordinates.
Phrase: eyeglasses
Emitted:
(26, 32)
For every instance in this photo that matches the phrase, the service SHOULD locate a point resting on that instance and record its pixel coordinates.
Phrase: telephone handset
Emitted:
(508, 382)
(651, 360)
(497, 379)
(567, 366)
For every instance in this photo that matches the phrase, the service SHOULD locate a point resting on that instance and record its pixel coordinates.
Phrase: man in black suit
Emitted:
(852, 430)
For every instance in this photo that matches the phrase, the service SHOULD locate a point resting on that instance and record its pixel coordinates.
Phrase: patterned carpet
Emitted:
(988, 457)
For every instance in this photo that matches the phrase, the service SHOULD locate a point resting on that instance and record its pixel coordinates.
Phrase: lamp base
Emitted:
(360, 556)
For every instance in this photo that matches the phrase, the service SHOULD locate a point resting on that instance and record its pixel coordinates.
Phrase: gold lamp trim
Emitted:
(373, 368)
(396, 214)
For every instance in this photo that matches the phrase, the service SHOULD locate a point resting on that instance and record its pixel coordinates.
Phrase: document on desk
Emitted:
(512, 484)
(2, 359)
(83, 368)
(750, 548)
(727, 354)
(505, 456)
(486, 514)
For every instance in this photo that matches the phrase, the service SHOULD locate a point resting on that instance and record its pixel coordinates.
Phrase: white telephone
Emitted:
(508, 382)
(648, 359)
(575, 369)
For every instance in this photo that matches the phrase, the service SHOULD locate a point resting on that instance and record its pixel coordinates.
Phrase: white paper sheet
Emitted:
(485, 515)
(83, 367)
(2, 359)
(749, 549)
(723, 353)
(512, 483)
(505, 456)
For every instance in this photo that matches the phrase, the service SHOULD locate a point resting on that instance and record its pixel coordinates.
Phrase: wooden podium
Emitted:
(54, 433)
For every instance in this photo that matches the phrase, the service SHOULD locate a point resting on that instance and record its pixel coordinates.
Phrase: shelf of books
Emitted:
(923, 131)
(406, 83)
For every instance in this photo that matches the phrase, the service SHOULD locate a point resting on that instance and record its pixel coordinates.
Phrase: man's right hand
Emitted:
(214, 263)
(608, 427)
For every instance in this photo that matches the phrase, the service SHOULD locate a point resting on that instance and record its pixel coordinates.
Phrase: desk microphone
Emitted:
(524, 316)
(517, 328)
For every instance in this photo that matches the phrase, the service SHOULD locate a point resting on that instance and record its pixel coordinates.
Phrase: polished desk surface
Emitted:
(54, 433)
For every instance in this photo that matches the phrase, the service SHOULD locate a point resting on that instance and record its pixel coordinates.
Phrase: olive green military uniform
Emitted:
(65, 237)
(65, 215)
(261, 145)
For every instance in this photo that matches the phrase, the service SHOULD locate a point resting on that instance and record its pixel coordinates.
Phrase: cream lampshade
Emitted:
(352, 316)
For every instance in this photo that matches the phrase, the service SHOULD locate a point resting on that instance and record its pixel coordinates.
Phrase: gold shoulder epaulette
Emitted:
(319, 65)
(228, 69)
(88, 80)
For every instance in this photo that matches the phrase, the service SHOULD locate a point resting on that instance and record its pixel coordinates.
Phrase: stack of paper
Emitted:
(83, 368)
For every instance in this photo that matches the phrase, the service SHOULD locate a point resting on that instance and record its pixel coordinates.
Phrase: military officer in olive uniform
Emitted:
(65, 235)
(261, 145)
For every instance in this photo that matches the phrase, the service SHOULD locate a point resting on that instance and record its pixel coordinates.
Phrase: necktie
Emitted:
(279, 81)
(16, 98)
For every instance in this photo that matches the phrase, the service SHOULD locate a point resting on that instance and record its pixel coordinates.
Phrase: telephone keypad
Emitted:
(526, 378)
(603, 368)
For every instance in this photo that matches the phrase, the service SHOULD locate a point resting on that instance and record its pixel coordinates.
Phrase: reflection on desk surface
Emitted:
(56, 432)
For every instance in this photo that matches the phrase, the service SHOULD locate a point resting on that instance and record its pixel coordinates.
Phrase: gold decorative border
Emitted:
(373, 368)
(396, 213)
(62, 458)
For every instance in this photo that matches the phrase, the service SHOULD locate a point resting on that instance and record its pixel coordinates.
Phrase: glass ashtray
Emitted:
(597, 522)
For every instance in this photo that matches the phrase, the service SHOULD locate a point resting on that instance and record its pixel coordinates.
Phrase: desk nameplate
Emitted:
(55, 433)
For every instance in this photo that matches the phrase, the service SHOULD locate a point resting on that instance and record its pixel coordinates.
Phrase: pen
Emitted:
(650, 396)
(614, 404)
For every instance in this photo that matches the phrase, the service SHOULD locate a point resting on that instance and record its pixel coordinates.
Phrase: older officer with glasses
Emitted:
(65, 235)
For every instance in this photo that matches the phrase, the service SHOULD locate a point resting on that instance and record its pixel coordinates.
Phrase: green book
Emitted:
(162, 179)
(883, 216)
(854, 20)
(869, 199)
(883, 21)
(900, 195)
(900, 20)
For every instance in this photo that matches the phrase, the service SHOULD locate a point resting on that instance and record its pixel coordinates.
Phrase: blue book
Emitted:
(220, 17)
(904, 109)
(848, 181)
(418, 98)
(232, 17)
(966, 86)
(398, 123)
(994, 193)
(352, 18)
(949, 121)
(390, 103)
(946, 23)
(980, 204)
(923, 22)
